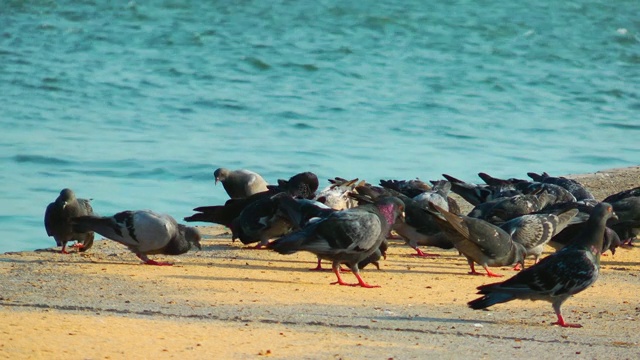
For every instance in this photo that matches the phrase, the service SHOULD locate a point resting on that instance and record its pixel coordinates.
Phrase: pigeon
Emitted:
(534, 231)
(423, 193)
(526, 187)
(565, 237)
(144, 232)
(57, 221)
(336, 195)
(240, 183)
(628, 210)
(261, 221)
(418, 228)
(437, 195)
(421, 229)
(478, 194)
(410, 188)
(479, 241)
(559, 275)
(504, 209)
(622, 195)
(574, 187)
(301, 185)
(374, 258)
(345, 237)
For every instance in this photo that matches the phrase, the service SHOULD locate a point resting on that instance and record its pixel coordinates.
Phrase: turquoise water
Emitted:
(134, 105)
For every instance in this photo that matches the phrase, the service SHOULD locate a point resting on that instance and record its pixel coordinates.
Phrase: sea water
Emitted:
(134, 105)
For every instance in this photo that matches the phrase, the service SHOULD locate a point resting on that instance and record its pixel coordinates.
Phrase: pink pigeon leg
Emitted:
(148, 261)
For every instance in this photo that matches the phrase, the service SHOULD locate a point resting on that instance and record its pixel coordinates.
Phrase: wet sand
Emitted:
(233, 303)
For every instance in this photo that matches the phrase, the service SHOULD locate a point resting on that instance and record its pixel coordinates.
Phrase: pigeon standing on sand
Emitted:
(559, 275)
(240, 183)
(534, 231)
(345, 237)
(144, 232)
(57, 221)
(480, 242)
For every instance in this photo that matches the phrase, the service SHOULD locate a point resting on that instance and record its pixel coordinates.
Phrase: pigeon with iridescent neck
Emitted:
(345, 237)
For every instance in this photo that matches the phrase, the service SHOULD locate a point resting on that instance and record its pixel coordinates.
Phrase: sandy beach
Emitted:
(227, 302)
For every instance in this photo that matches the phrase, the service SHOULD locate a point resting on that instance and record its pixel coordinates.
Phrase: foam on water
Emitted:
(134, 105)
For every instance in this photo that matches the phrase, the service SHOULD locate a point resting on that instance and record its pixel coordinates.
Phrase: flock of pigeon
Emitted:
(350, 221)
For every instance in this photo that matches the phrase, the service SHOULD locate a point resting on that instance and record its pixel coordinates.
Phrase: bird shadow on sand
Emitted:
(240, 279)
(382, 319)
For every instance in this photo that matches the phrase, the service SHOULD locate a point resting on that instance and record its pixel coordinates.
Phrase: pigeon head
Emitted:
(192, 235)
(66, 195)
(221, 174)
(611, 241)
(603, 211)
(521, 254)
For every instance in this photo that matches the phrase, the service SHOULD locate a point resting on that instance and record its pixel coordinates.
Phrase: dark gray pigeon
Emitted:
(504, 209)
(480, 242)
(262, 220)
(144, 232)
(559, 275)
(623, 195)
(345, 237)
(534, 231)
(574, 187)
(476, 194)
(240, 184)
(57, 221)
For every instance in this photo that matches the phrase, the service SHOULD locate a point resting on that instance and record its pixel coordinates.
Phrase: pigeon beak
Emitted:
(376, 264)
(198, 245)
(614, 216)
(217, 181)
(64, 205)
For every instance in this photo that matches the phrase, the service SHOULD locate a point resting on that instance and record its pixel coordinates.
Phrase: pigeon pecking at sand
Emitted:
(144, 232)
(345, 237)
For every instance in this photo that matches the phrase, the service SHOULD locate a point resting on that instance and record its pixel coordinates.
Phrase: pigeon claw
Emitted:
(420, 253)
(562, 323)
(78, 246)
(492, 274)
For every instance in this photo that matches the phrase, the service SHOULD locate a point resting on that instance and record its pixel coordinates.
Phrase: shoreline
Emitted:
(229, 302)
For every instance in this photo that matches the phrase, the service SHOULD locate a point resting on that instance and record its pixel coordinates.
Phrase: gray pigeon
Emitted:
(57, 221)
(574, 187)
(240, 184)
(534, 231)
(480, 241)
(559, 275)
(345, 237)
(144, 232)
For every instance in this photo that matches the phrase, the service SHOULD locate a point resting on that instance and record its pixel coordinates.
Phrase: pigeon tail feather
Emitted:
(490, 299)
(289, 244)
